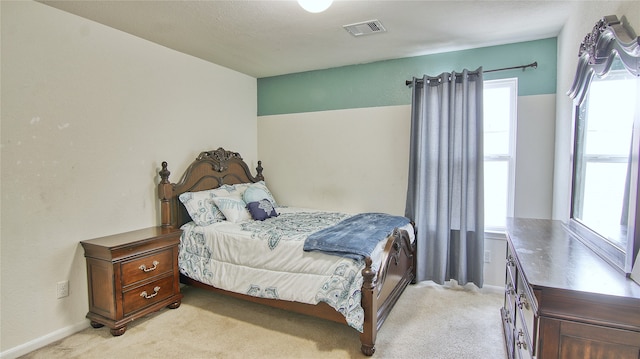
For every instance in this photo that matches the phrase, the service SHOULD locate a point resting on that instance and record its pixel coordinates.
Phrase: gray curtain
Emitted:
(445, 195)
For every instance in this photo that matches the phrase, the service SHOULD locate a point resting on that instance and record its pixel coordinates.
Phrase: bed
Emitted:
(356, 290)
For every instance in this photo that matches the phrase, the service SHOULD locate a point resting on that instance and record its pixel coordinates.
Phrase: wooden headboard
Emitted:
(211, 169)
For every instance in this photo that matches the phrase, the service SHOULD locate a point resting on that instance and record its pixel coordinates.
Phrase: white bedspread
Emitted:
(266, 259)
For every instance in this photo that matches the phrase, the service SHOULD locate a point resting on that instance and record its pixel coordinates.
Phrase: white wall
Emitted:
(350, 160)
(88, 114)
(573, 33)
(357, 160)
(534, 156)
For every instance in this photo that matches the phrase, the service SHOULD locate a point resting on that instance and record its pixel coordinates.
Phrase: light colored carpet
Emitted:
(429, 321)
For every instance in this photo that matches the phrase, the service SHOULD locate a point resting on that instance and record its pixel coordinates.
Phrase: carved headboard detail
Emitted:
(211, 169)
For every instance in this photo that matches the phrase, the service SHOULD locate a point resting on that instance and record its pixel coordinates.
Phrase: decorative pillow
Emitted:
(258, 191)
(262, 209)
(201, 207)
(233, 208)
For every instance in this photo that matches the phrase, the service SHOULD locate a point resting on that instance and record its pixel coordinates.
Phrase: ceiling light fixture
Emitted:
(315, 6)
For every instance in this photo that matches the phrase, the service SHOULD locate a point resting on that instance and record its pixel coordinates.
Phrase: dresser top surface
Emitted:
(551, 258)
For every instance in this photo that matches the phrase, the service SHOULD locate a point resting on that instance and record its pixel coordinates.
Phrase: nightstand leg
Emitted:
(96, 324)
(116, 332)
(174, 305)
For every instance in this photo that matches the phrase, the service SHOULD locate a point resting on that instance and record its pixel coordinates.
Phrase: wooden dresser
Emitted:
(562, 300)
(131, 275)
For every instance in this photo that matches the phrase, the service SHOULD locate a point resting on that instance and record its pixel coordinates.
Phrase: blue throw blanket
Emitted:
(355, 237)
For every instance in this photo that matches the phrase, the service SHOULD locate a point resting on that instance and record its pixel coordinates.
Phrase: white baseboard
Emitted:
(492, 289)
(42, 341)
(453, 284)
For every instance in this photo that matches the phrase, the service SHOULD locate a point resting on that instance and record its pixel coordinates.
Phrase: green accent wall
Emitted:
(382, 83)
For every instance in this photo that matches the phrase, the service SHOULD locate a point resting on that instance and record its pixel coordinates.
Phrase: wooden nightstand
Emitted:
(130, 275)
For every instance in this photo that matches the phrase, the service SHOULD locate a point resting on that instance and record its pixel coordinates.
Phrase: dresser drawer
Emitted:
(510, 289)
(508, 329)
(523, 337)
(149, 266)
(510, 300)
(148, 294)
(526, 327)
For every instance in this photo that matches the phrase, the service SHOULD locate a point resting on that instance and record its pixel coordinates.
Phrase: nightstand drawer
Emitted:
(147, 294)
(146, 267)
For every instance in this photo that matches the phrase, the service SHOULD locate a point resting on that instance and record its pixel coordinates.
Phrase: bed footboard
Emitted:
(380, 293)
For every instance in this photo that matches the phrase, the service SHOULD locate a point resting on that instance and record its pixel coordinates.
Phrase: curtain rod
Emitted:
(523, 67)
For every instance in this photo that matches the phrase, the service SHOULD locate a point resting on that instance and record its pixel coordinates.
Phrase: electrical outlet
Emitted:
(487, 256)
(63, 289)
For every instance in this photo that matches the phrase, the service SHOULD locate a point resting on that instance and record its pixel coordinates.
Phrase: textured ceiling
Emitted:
(268, 38)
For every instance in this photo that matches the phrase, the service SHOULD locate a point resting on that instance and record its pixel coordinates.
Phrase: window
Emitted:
(500, 114)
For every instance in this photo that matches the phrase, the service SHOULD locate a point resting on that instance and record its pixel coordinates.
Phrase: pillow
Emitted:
(201, 207)
(233, 208)
(261, 210)
(239, 187)
(258, 191)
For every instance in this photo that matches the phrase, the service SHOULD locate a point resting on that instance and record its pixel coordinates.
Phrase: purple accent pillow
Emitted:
(262, 209)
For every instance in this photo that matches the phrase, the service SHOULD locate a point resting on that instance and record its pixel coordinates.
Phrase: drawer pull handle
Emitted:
(145, 269)
(144, 293)
(522, 301)
(507, 316)
(521, 344)
(509, 290)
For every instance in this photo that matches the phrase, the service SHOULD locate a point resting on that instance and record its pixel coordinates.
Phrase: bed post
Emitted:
(370, 327)
(165, 190)
(259, 176)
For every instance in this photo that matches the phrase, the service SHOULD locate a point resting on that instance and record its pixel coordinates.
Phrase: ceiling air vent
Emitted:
(365, 28)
